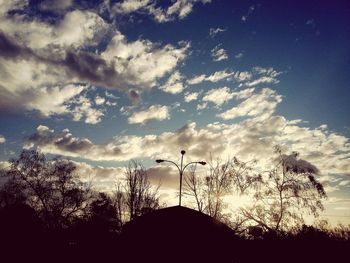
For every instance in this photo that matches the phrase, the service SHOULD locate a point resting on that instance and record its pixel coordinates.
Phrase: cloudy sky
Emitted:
(103, 82)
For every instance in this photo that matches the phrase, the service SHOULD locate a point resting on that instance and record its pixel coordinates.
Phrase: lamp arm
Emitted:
(174, 164)
(188, 165)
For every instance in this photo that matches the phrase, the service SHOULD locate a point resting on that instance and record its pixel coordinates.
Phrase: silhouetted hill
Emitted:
(177, 233)
(180, 234)
(174, 234)
(21, 232)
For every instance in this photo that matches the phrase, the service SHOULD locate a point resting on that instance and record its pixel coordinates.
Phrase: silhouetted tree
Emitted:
(194, 186)
(120, 204)
(135, 196)
(49, 187)
(289, 190)
(103, 214)
(223, 178)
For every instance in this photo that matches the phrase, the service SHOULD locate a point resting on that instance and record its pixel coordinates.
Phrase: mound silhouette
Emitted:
(177, 233)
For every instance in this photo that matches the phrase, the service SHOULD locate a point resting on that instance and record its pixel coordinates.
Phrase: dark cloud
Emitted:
(8, 100)
(134, 96)
(82, 65)
(65, 143)
(10, 49)
(91, 67)
(55, 5)
(68, 143)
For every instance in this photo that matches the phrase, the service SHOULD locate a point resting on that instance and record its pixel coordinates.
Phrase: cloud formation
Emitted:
(218, 96)
(179, 9)
(174, 84)
(154, 112)
(253, 137)
(219, 54)
(215, 77)
(142, 63)
(261, 105)
(191, 96)
(56, 60)
(256, 76)
(215, 31)
(249, 139)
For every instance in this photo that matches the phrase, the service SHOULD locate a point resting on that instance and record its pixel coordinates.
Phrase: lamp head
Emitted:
(183, 152)
(202, 163)
(159, 161)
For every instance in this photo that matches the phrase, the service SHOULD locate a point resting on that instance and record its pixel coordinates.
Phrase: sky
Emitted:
(104, 82)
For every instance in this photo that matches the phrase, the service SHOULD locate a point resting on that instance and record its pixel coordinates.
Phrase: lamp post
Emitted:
(181, 168)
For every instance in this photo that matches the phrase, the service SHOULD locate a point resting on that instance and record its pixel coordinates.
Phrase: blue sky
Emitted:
(104, 82)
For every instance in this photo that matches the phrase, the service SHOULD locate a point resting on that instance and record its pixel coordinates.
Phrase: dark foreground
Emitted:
(174, 234)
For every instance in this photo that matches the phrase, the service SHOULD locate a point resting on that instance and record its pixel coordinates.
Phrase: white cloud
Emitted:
(249, 139)
(262, 80)
(214, 31)
(219, 54)
(218, 96)
(215, 77)
(99, 100)
(141, 63)
(219, 75)
(191, 96)
(179, 9)
(129, 6)
(244, 93)
(124, 148)
(202, 106)
(154, 112)
(2, 139)
(197, 79)
(51, 62)
(239, 55)
(243, 76)
(174, 84)
(83, 109)
(88, 29)
(47, 106)
(264, 76)
(271, 72)
(260, 105)
(35, 88)
(258, 75)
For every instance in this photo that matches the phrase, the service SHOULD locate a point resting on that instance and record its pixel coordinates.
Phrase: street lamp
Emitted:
(181, 168)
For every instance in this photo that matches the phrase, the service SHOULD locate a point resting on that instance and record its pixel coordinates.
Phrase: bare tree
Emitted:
(50, 187)
(120, 204)
(140, 196)
(289, 190)
(217, 184)
(194, 187)
(223, 178)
